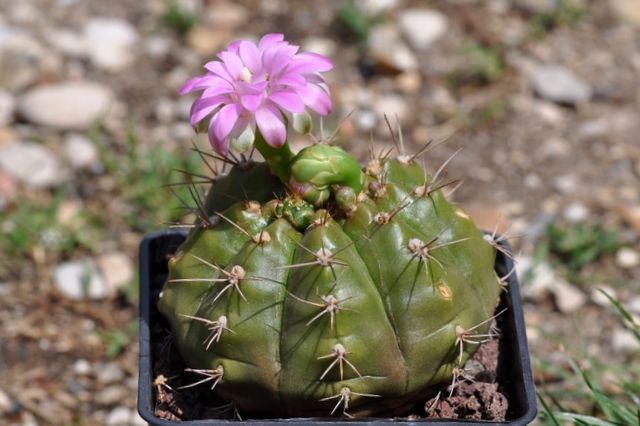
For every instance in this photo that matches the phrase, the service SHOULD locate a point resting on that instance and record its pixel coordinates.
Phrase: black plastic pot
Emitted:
(156, 249)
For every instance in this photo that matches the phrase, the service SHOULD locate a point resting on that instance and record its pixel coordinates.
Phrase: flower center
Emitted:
(245, 75)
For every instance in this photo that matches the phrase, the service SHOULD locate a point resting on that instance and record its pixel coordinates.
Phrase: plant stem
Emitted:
(277, 158)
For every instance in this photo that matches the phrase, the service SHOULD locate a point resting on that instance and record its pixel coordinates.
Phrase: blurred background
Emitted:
(542, 95)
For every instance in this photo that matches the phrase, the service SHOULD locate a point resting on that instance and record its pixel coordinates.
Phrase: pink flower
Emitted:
(258, 86)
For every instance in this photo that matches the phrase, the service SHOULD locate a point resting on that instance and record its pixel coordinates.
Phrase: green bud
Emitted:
(316, 168)
(298, 212)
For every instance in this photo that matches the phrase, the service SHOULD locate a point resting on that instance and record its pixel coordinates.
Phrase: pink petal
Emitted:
(307, 62)
(196, 83)
(225, 119)
(204, 106)
(252, 101)
(289, 80)
(219, 69)
(219, 146)
(232, 63)
(288, 100)
(269, 40)
(250, 56)
(271, 125)
(259, 76)
(315, 98)
(218, 87)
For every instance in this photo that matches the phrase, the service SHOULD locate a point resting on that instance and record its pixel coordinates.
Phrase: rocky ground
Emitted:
(542, 95)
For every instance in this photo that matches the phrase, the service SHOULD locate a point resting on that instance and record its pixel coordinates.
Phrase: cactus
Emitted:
(310, 286)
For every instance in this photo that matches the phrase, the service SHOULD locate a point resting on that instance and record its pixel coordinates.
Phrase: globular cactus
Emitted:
(324, 288)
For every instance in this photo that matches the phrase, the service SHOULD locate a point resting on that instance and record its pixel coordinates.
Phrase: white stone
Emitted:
(600, 299)
(558, 84)
(365, 119)
(157, 46)
(119, 416)
(568, 297)
(108, 373)
(422, 27)
(395, 107)
(136, 420)
(375, 7)
(627, 258)
(163, 110)
(77, 279)
(7, 108)
(633, 305)
(386, 47)
(112, 395)
(117, 269)
(320, 45)
(110, 43)
(69, 105)
(226, 15)
(30, 163)
(566, 184)
(575, 213)
(624, 341)
(627, 10)
(6, 405)
(68, 42)
(80, 151)
(82, 367)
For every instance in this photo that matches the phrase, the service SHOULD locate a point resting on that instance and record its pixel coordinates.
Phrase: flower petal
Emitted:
(218, 68)
(252, 101)
(250, 56)
(219, 146)
(315, 98)
(309, 62)
(271, 125)
(204, 106)
(269, 40)
(232, 63)
(225, 119)
(288, 100)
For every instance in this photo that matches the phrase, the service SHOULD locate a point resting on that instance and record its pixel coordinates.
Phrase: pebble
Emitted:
(395, 107)
(422, 27)
(6, 406)
(375, 7)
(79, 151)
(624, 341)
(566, 184)
(30, 163)
(82, 367)
(136, 420)
(157, 46)
(117, 269)
(568, 297)
(7, 108)
(80, 278)
(207, 41)
(627, 258)
(365, 119)
(600, 299)
(558, 84)
(110, 43)
(320, 45)
(111, 395)
(20, 55)
(110, 372)
(575, 213)
(633, 305)
(68, 105)
(627, 10)
(119, 416)
(389, 50)
(229, 15)
(68, 42)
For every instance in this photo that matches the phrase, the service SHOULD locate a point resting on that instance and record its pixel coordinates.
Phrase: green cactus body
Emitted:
(360, 307)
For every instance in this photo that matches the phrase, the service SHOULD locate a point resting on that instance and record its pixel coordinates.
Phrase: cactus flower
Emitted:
(258, 86)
